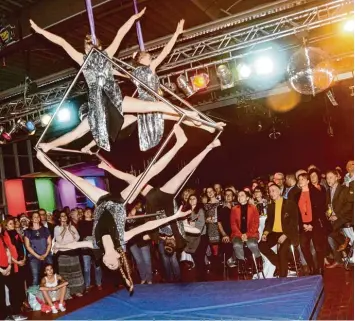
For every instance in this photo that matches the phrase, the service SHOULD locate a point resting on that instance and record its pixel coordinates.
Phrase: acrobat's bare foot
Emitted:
(180, 135)
(45, 147)
(214, 144)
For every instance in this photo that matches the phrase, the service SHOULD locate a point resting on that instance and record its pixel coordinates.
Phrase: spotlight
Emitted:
(244, 71)
(8, 135)
(274, 134)
(184, 85)
(225, 77)
(28, 126)
(200, 81)
(349, 25)
(45, 119)
(264, 65)
(63, 115)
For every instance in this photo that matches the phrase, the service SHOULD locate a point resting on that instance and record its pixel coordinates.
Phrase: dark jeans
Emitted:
(37, 266)
(280, 260)
(143, 260)
(199, 258)
(171, 264)
(15, 294)
(87, 272)
(319, 238)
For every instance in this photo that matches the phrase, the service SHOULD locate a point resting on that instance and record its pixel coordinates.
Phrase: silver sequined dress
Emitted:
(104, 100)
(150, 125)
(115, 225)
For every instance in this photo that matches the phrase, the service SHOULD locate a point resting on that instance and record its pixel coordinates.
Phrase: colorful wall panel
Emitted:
(15, 197)
(45, 193)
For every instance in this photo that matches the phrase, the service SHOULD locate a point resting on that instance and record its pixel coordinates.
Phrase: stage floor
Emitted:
(272, 299)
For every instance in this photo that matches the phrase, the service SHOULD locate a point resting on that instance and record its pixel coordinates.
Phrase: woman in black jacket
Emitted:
(313, 222)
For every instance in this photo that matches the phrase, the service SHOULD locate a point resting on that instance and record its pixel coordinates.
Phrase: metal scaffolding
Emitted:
(205, 49)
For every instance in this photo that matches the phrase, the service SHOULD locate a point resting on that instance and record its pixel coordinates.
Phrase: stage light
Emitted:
(8, 135)
(184, 85)
(244, 71)
(200, 81)
(45, 119)
(349, 25)
(63, 115)
(264, 65)
(225, 77)
(28, 126)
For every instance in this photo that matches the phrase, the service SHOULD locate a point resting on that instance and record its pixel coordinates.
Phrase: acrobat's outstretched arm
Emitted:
(156, 62)
(151, 225)
(113, 47)
(74, 54)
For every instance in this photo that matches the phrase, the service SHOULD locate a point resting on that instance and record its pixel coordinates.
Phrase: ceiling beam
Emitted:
(59, 16)
(208, 9)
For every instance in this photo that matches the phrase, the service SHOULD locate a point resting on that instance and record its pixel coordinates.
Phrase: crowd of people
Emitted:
(306, 209)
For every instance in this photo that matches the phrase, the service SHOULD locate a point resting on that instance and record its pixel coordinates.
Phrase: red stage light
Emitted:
(200, 81)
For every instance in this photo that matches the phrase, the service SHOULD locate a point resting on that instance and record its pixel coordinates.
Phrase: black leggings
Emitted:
(199, 258)
(319, 238)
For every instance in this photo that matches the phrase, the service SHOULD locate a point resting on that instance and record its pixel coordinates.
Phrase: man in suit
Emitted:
(292, 191)
(339, 202)
(281, 227)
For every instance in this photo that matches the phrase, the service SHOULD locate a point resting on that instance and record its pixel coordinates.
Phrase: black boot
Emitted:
(241, 267)
(259, 264)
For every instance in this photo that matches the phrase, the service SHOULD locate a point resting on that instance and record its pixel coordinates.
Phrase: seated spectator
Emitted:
(54, 288)
(259, 201)
(281, 227)
(244, 222)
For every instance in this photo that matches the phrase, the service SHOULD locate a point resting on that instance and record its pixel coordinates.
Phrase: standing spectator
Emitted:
(197, 243)
(219, 191)
(224, 224)
(85, 228)
(68, 262)
(8, 279)
(339, 212)
(312, 223)
(244, 222)
(349, 177)
(18, 258)
(74, 217)
(279, 180)
(260, 201)
(211, 221)
(140, 249)
(292, 190)
(281, 227)
(38, 242)
(43, 214)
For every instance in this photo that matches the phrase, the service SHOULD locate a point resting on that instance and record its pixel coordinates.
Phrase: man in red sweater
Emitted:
(245, 225)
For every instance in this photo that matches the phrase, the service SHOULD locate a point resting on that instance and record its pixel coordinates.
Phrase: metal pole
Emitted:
(150, 90)
(58, 149)
(65, 96)
(294, 258)
(144, 174)
(66, 176)
(183, 101)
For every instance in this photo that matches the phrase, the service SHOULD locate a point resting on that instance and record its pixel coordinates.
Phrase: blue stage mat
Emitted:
(273, 299)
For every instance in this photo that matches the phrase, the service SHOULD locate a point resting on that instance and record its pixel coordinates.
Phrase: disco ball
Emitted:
(310, 71)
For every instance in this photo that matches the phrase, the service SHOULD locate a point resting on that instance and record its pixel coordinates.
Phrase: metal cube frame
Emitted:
(204, 120)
